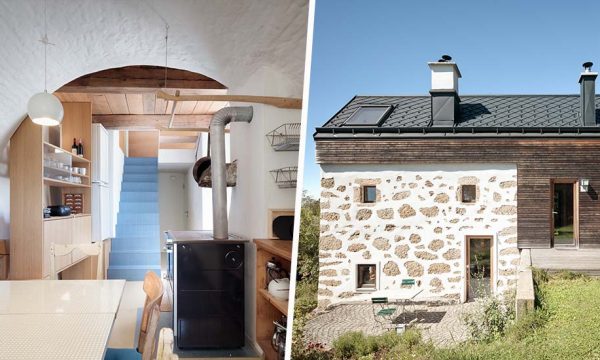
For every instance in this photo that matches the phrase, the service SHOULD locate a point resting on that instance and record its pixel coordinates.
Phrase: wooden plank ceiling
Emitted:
(125, 98)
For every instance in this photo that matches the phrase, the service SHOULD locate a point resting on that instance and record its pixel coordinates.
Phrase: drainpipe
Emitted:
(218, 166)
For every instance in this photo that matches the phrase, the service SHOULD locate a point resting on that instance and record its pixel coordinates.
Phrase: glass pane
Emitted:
(366, 277)
(480, 267)
(562, 213)
(370, 194)
(469, 193)
(367, 115)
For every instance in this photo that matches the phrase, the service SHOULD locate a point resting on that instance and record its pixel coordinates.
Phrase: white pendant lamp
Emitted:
(43, 108)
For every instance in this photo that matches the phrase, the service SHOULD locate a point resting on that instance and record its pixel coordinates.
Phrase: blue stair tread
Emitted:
(136, 251)
(135, 267)
(122, 354)
(136, 248)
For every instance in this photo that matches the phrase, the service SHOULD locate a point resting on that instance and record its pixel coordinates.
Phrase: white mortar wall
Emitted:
(256, 191)
(417, 224)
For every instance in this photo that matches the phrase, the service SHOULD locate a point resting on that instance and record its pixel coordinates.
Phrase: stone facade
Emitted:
(417, 228)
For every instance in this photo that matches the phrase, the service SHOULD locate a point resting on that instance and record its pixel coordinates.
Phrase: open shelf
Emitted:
(76, 158)
(63, 171)
(62, 183)
(285, 138)
(280, 305)
(285, 177)
(66, 217)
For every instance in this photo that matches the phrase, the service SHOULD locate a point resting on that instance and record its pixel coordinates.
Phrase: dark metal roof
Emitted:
(478, 114)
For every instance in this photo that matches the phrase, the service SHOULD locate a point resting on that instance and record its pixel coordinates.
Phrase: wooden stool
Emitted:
(4, 255)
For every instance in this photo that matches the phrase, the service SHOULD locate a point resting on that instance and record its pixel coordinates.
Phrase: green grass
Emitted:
(570, 330)
(565, 326)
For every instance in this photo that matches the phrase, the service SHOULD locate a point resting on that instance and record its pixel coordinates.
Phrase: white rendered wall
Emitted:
(416, 229)
(256, 191)
(173, 205)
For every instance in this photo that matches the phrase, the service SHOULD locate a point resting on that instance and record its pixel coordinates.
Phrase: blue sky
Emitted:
(501, 47)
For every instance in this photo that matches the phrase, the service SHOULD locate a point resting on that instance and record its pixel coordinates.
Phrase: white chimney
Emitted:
(445, 102)
(444, 74)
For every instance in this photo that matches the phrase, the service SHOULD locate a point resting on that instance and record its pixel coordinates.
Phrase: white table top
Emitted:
(60, 296)
(54, 336)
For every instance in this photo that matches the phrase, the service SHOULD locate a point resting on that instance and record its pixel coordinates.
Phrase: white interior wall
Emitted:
(4, 195)
(200, 199)
(173, 203)
(256, 191)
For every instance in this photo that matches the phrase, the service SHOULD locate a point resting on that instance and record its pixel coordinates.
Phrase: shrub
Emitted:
(526, 326)
(491, 317)
(571, 275)
(351, 345)
(355, 345)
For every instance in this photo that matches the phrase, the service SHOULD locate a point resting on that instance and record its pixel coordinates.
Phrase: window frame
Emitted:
(377, 123)
(364, 194)
(360, 287)
(462, 194)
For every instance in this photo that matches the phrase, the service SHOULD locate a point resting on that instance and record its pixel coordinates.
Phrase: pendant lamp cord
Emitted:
(166, 35)
(166, 50)
(44, 40)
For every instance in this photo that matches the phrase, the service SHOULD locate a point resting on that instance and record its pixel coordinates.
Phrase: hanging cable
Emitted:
(166, 51)
(166, 36)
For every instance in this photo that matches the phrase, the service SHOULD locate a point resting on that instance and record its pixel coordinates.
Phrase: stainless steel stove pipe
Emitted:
(218, 165)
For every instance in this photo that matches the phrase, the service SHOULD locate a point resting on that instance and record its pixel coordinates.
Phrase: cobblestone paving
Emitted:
(440, 324)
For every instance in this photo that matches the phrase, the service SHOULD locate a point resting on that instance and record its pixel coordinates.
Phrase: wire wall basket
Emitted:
(285, 138)
(285, 177)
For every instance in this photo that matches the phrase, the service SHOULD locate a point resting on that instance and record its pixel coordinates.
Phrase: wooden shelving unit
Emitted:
(268, 308)
(38, 178)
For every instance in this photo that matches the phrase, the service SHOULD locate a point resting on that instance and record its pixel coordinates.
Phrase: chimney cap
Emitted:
(445, 58)
(587, 66)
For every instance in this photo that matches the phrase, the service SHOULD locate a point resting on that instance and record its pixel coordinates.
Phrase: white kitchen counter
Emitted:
(60, 296)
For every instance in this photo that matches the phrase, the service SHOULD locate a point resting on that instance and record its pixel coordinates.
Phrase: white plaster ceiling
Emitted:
(227, 40)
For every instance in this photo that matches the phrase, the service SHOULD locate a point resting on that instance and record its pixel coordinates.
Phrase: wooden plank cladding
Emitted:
(539, 162)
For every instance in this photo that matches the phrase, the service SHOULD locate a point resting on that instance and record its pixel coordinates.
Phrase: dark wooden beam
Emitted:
(153, 122)
(136, 79)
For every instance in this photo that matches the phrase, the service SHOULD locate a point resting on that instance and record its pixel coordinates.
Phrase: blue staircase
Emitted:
(136, 247)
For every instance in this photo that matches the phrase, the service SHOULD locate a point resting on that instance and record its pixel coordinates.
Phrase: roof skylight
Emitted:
(369, 115)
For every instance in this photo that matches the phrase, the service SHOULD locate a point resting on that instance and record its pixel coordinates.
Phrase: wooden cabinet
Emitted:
(58, 231)
(268, 308)
(37, 181)
(82, 234)
(67, 230)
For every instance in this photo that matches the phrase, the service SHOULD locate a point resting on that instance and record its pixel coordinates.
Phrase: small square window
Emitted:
(369, 194)
(469, 193)
(366, 277)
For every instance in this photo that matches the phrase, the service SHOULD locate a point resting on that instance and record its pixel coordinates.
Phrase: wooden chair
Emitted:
(149, 338)
(94, 249)
(165, 345)
(153, 287)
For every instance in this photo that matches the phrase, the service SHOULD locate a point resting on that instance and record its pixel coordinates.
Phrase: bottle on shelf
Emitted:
(80, 148)
(74, 148)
